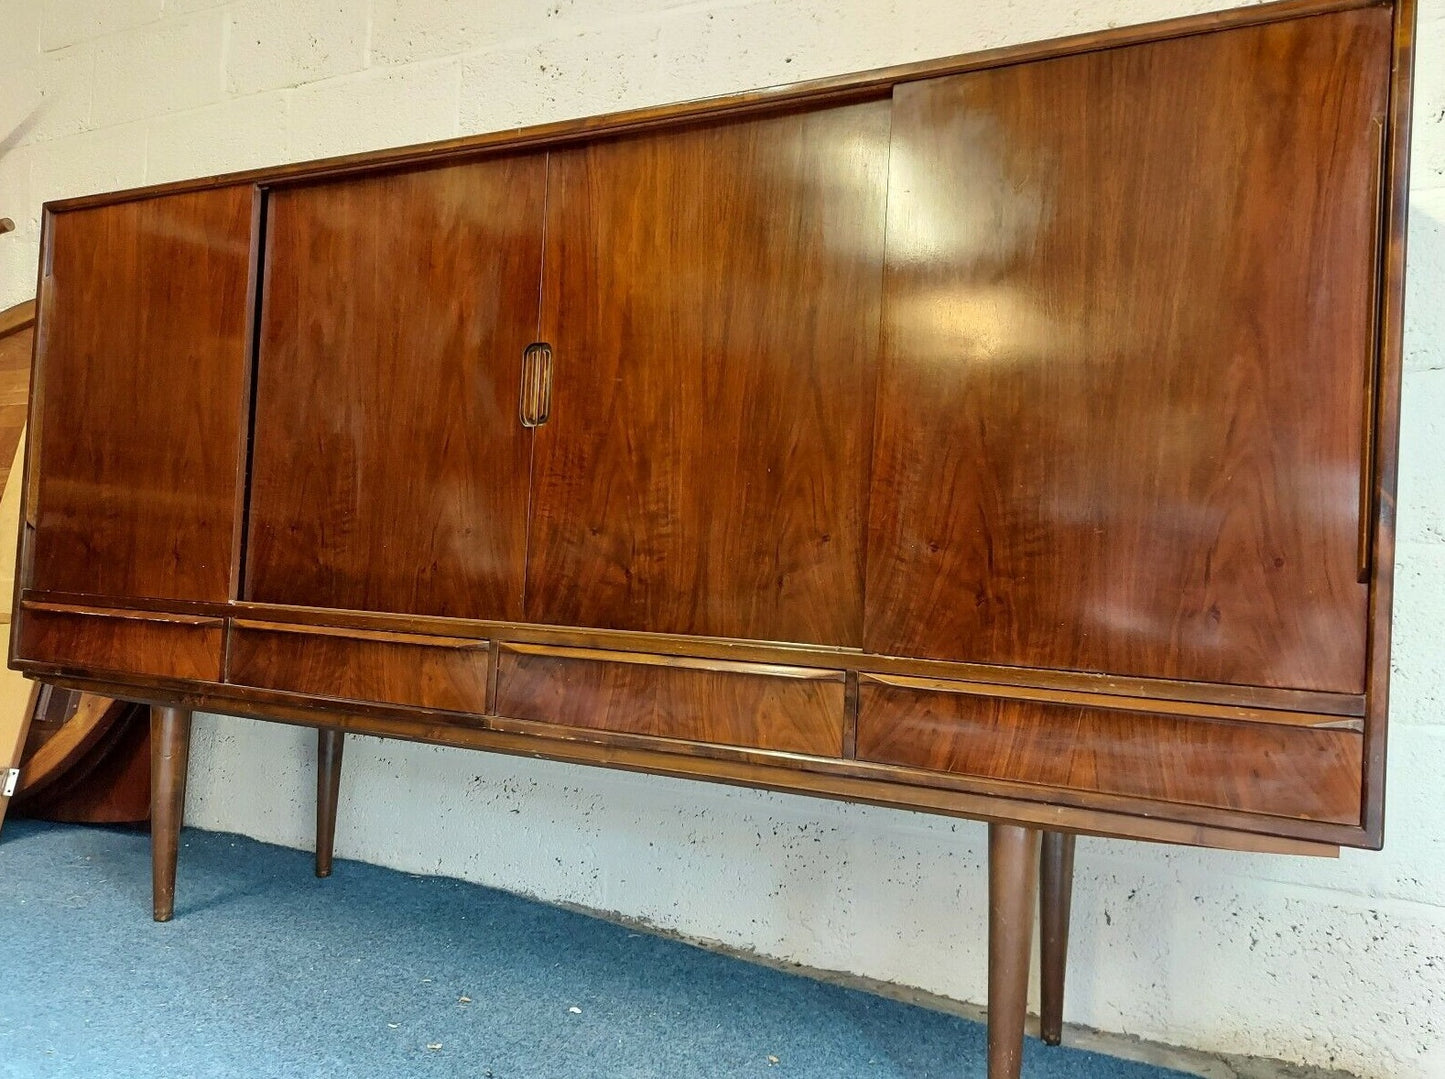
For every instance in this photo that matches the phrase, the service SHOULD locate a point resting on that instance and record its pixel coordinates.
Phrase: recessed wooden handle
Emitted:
(535, 402)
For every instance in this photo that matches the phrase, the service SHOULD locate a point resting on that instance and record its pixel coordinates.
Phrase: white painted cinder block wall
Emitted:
(1333, 963)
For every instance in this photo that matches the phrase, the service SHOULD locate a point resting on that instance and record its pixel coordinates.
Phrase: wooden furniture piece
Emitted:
(1010, 436)
(86, 760)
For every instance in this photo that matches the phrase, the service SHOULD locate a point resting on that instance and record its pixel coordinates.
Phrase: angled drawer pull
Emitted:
(750, 705)
(405, 670)
(1297, 772)
(103, 640)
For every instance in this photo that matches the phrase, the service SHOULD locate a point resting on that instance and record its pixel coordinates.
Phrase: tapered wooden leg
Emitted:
(1013, 868)
(1056, 888)
(170, 753)
(328, 788)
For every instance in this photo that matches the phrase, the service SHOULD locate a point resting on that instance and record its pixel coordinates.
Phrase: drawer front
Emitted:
(752, 705)
(1307, 773)
(446, 673)
(122, 642)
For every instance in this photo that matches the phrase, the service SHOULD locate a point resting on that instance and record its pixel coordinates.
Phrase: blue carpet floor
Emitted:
(268, 972)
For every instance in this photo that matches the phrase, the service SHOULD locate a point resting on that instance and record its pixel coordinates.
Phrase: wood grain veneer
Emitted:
(1128, 319)
(394, 315)
(874, 784)
(136, 426)
(1292, 771)
(740, 704)
(1010, 436)
(167, 646)
(705, 469)
(445, 673)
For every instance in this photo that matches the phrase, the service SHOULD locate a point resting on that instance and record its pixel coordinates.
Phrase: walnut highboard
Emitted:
(1011, 436)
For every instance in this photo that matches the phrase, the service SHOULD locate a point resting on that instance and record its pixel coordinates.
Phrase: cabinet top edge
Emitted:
(840, 89)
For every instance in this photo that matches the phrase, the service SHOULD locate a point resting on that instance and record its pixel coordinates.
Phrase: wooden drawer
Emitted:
(446, 673)
(123, 642)
(753, 705)
(1287, 770)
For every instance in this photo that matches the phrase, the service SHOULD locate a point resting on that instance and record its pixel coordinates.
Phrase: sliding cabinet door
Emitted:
(1127, 339)
(141, 378)
(712, 298)
(390, 470)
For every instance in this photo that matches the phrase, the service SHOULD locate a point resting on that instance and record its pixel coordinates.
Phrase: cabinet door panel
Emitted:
(713, 299)
(1127, 322)
(142, 348)
(390, 470)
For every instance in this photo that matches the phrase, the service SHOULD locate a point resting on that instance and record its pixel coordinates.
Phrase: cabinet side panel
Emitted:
(143, 334)
(713, 298)
(389, 469)
(1128, 319)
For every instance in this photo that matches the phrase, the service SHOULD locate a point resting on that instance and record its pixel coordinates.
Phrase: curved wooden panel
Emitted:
(712, 299)
(1129, 315)
(54, 747)
(16, 340)
(107, 784)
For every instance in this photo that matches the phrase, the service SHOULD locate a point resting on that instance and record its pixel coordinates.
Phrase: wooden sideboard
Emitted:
(1010, 436)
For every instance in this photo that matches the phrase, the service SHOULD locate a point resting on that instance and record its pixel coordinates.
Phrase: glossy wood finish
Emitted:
(1244, 702)
(1127, 321)
(445, 673)
(142, 379)
(329, 746)
(1240, 702)
(854, 781)
(396, 310)
(164, 645)
(795, 710)
(1056, 893)
(1013, 877)
(1133, 338)
(170, 756)
(705, 469)
(1297, 772)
